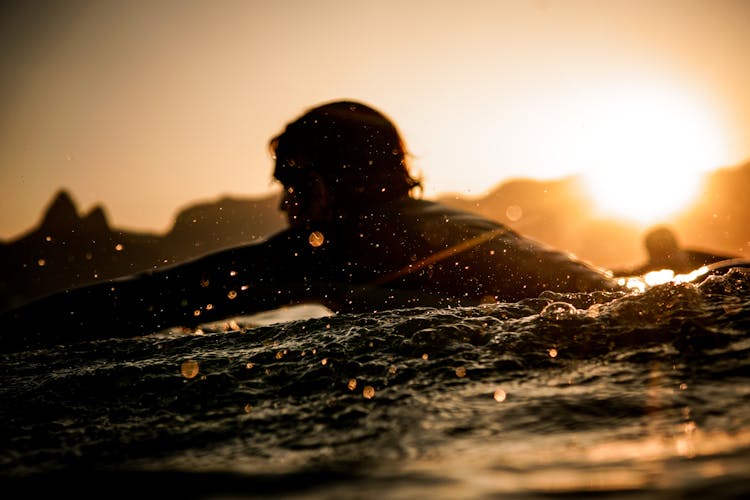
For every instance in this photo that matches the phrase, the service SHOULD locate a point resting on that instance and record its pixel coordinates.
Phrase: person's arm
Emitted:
(232, 282)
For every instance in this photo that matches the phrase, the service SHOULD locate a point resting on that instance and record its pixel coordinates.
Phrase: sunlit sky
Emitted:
(148, 106)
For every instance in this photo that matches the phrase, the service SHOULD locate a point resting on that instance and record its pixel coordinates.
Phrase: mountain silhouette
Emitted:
(68, 249)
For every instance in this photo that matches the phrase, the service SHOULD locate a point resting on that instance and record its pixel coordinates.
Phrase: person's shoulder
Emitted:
(431, 207)
(418, 209)
(444, 221)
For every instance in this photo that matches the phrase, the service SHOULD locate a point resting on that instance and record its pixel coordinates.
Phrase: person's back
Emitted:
(445, 253)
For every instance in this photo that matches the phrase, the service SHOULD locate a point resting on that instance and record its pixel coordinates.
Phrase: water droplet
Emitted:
(189, 368)
(368, 392)
(316, 239)
(514, 213)
(559, 311)
(499, 395)
(352, 384)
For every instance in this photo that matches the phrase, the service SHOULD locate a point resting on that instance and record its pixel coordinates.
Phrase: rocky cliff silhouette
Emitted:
(68, 249)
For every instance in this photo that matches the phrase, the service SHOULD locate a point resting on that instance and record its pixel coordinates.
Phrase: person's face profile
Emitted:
(305, 200)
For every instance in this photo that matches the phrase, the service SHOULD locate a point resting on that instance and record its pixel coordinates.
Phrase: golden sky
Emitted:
(146, 106)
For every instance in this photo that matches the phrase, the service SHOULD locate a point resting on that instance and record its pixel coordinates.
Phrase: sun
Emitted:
(648, 149)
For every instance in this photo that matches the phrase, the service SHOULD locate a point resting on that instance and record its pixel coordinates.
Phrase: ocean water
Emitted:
(605, 395)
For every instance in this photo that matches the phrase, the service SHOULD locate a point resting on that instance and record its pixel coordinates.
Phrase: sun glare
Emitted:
(648, 149)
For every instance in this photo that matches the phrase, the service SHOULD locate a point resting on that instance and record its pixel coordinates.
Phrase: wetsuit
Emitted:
(408, 253)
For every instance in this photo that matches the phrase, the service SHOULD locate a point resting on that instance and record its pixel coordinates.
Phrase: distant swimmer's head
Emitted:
(661, 244)
(354, 149)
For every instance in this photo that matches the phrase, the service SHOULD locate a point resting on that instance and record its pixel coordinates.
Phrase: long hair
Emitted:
(356, 149)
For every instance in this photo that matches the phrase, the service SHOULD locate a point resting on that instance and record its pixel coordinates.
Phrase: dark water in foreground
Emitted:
(643, 395)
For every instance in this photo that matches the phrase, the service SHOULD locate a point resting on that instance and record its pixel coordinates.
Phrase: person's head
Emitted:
(340, 157)
(661, 244)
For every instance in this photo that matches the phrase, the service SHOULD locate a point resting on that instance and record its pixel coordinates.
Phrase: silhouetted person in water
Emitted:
(664, 252)
(357, 241)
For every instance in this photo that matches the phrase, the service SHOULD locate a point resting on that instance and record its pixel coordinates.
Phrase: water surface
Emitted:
(618, 395)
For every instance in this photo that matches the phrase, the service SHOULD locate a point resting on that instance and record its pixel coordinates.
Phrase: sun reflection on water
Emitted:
(660, 277)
